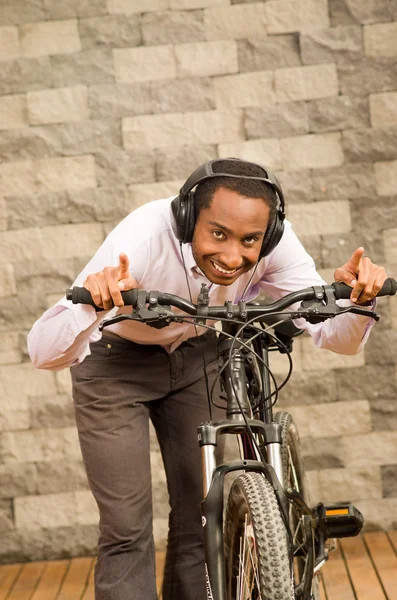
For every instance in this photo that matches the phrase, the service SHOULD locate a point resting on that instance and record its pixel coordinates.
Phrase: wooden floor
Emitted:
(362, 568)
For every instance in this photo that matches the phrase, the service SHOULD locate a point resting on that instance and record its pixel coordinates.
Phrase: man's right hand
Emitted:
(106, 286)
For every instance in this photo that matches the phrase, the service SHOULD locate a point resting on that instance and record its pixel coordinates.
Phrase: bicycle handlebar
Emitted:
(139, 298)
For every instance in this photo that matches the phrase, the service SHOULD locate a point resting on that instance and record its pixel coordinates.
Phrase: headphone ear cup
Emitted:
(273, 235)
(190, 217)
(184, 217)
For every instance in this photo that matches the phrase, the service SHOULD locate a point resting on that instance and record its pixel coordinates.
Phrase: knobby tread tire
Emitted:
(253, 495)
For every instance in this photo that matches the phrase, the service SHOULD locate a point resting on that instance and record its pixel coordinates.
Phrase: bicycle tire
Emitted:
(254, 530)
(294, 477)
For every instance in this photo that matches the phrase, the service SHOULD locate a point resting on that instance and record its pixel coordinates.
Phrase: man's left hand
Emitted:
(362, 275)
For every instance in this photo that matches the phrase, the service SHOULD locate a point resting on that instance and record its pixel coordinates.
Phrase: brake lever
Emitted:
(317, 314)
(157, 316)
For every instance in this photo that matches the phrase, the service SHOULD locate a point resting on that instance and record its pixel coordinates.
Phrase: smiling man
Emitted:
(226, 229)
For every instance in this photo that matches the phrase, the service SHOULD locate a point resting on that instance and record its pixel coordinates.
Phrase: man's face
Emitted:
(228, 235)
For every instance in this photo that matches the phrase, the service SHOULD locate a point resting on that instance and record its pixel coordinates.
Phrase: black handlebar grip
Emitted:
(80, 295)
(343, 291)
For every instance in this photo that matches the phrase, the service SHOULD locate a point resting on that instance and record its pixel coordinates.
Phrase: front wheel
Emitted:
(257, 559)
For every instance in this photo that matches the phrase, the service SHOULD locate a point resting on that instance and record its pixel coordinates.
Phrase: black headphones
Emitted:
(183, 208)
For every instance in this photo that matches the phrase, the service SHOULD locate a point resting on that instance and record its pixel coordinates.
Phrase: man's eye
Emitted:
(250, 241)
(218, 234)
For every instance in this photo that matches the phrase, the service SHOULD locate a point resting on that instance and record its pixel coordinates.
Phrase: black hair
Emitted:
(251, 188)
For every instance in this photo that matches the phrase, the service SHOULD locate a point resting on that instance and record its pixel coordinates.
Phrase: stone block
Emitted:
(120, 100)
(377, 382)
(338, 183)
(10, 353)
(297, 185)
(63, 476)
(9, 43)
(336, 249)
(380, 39)
(276, 120)
(246, 89)
(383, 109)
(13, 111)
(86, 137)
(51, 411)
(203, 127)
(266, 152)
(50, 37)
(332, 419)
(179, 95)
(22, 312)
(368, 214)
(355, 11)
(17, 12)
(306, 83)
(74, 8)
(384, 414)
(172, 27)
(31, 382)
(7, 281)
(268, 53)
(319, 358)
(190, 4)
(389, 480)
(18, 480)
(322, 218)
(390, 244)
(312, 151)
(285, 16)
(142, 193)
(204, 59)
(39, 445)
(59, 242)
(375, 448)
(372, 145)
(236, 22)
(6, 515)
(90, 67)
(115, 31)
(338, 485)
(138, 6)
(57, 106)
(322, 453)
(340, 112)
(144, 63)
(14, 419)
(47, 175)
(369, 74)
(386, 177)
(25, 74)
(379, 347)
(55, 510)
(332, 44)
(308, 388)
(178, 162)
(118, 167)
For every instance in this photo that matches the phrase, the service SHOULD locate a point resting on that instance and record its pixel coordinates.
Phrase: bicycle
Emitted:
(268, 544)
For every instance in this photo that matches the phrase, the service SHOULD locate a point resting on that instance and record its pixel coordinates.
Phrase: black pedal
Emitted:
(339, 520)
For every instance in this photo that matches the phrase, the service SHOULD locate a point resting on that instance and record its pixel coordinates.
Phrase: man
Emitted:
(229, 232)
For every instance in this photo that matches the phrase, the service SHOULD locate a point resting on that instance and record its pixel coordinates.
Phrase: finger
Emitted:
(353, 263)
(127, 284)
(368, 291)
(111, 276)
(92, 286)
(362, 278)
(102, 280)
(342, 274)
(123, 267)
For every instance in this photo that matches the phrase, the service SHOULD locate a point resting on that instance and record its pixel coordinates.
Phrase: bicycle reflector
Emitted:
(339, 520)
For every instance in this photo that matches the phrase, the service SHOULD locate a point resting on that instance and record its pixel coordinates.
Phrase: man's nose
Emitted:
(232, 257)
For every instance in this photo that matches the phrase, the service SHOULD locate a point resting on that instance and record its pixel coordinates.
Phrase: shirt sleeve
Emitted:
(61, 337)
(291, 268)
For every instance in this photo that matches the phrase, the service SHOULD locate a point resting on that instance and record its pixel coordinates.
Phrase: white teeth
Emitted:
(218, 268)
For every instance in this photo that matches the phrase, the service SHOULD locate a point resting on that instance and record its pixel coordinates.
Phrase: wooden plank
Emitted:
(89, 593)
(51, 580)
(385, 560)
(364, 578)
(335, 578)
(392, 535)
(322, 590)
(8, 575)
(27, 581)
(76, 579)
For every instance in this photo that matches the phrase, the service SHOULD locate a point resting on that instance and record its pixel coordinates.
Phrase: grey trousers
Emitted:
(116, 390)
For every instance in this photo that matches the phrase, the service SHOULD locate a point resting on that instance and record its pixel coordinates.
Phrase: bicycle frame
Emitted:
(234, 381)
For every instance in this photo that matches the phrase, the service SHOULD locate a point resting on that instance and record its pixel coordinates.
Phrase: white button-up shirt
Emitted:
(61, 337)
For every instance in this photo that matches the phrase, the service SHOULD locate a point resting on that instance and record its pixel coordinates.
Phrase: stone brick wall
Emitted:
(107, 104)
